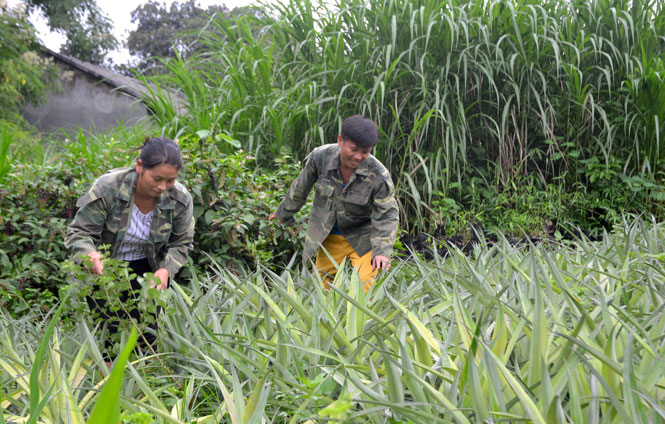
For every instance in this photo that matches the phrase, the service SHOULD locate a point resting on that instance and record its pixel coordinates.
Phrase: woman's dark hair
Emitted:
(158, 151)
(360, 130)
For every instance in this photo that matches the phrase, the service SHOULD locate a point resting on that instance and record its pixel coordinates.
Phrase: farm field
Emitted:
(525, 143)
(550, 333)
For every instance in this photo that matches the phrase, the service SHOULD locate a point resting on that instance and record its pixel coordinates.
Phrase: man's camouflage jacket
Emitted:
(366, 210)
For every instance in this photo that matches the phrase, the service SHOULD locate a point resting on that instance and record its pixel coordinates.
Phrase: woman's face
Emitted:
(154, 181)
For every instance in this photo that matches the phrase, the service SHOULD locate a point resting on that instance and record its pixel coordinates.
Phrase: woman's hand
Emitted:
(163, 275)
(97, 266)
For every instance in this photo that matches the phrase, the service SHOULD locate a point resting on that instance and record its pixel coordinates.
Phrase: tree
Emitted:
(161, 30)
(87, 29)
(24, 75)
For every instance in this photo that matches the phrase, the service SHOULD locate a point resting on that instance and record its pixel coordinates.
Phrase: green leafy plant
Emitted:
(121, 304)
(5, 159)
(24, 75)
(233, 200)
(532, 333)
(107, 408)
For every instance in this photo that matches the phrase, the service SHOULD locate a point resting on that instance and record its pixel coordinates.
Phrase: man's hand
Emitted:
(380, 262)
(293, 233)
(97, 266)
(163, 275)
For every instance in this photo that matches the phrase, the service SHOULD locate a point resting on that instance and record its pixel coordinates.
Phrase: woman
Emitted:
(143, 213)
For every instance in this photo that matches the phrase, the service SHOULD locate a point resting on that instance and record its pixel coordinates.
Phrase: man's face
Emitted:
(350, 154)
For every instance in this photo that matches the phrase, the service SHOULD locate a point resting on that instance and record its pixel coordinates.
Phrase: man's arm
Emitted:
(385, 218)
(297, 194)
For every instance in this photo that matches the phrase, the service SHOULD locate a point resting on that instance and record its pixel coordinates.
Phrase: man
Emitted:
(354, 214)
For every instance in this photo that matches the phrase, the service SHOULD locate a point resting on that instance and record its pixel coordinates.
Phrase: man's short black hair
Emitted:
(360, 130)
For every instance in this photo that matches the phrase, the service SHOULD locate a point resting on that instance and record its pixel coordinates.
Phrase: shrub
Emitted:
(233, 199)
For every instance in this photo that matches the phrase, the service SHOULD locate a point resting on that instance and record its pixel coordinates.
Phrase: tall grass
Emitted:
(496, 90)
(5, 159)
(559, 333)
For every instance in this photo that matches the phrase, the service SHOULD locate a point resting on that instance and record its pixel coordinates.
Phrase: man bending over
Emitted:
(354, 214)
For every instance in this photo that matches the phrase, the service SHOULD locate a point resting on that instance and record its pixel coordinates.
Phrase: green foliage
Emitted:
(123, 306)
(550, 333)
(5, 142)
(87, 29)
(521, 209)
(233, 92)
(503, 115)
(233, 199)
(34, 214)
(37, 202)
(37, 402)
(162, 31)
(107, 408)
(49, 393)
(500, 91)
(610, 192)
(24, 78)
(24, 75)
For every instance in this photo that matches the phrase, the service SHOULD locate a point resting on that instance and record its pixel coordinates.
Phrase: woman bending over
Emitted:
(143, 213)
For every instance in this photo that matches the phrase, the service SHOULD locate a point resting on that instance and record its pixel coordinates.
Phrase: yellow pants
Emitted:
(339, 248)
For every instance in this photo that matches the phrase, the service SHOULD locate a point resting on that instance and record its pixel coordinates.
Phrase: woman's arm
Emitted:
(181, 238)
(84, 233)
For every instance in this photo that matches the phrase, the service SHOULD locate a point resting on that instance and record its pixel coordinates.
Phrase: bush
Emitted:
(232, 197)
(232, 201)
(37, 203)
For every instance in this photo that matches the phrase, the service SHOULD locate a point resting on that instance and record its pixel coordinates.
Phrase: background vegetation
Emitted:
(86, 29)
(475, 100)
(501, 122)
(166, 32)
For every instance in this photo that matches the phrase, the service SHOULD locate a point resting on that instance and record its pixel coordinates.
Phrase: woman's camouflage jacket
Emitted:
(104, 213)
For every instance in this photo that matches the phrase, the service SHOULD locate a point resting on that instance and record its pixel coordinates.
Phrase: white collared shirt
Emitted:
(136, 242)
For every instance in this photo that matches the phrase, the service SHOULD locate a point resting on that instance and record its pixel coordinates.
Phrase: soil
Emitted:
(423, 243)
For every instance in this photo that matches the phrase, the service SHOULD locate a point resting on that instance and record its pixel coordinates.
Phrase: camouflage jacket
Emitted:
(104, 213)
(366, 210)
